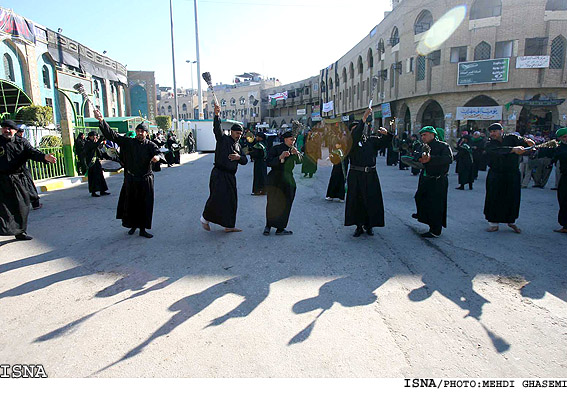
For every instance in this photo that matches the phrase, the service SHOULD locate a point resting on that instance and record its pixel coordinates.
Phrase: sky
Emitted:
(286, 39)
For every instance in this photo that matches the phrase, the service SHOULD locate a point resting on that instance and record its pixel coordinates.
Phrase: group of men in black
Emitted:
(364, 204)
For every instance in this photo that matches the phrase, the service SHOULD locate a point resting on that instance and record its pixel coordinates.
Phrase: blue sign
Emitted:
(386, 110)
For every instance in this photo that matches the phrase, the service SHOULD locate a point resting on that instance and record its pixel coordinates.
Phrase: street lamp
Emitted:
(191, 62)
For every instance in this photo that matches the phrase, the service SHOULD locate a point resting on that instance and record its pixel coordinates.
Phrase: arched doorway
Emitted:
(12, 99)
(433, 115)
(139, 100)
(407, 121)
(538, 116)
(480, 125)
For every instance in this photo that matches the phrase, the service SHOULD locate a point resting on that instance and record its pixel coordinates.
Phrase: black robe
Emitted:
(392, 154)
(14, 188)
(80, 152)
(336, 187)
(136, 201)
(431, 195)
(503, 182)
(479, 155)
(173, 156)
(258, 154)
(95, 176)
(464, 161)
(561, 156)
(281, 186)
(223, 198)
(364, 204)
(159, 141)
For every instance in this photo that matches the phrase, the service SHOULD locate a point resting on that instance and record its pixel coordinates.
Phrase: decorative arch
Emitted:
(330, 84)
(351, 70)
(343, 75)
(485, 9)
(395, 37)
(557, 58)
(17, 61)
(431, 114)
(423, 22)
(359, 65)
(482, 101)
(370, 58)
(482, 51)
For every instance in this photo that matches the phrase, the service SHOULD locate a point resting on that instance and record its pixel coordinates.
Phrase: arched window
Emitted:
(557, 58)
(232, 101)
(370, 58)
(392, 76)
(330, 83)
(344, 75)
(242, 101)
(351, 70)
(486, 9)
(184, 107)
(420, 68)
(482, 51)
(359, 66)
(223, 103)
(46, 78)
(423, 22)
(395, 37)
(9, 68)
(556, 5)
(169, 108)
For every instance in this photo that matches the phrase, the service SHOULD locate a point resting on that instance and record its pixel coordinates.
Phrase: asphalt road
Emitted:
(86, 299)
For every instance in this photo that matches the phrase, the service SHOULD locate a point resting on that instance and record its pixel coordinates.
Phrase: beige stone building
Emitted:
(505, 62)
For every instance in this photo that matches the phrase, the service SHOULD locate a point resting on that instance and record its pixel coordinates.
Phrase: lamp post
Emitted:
(191, 62)
(201, 110)
(173, 62)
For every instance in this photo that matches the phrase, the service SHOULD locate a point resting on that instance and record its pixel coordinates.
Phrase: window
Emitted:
(482, 51)
(410, 65)
(536, 46)
(370, 59)
(503, 49)
(233, 101)
(184, 107)
(242, 101)
(223, 103)
(435, 58)
(359, 66)
(486, 9)
(9, 68)
(423, 22)
(331, 84)
(458, 54)
(49, 102)
(169, 108)
(306, 90)
(46, 79)
(556, 5)
(557, 59)
(392, 75)
(420, 68)
(395, 37)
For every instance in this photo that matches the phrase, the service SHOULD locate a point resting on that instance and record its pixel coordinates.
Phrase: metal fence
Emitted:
(41, 171)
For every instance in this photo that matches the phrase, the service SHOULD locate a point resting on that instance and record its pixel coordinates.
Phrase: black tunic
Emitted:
(97, 183)
(464, 161)
(479, 155)
(223, 199)
(173, 156)
(14, 188)
(136, 201)
(503, 182)
(159, 141)
(561, 156)
(431, 195)
(258, 154)
(281, 186)
(336, 187)
(80, 152)
(364, 204)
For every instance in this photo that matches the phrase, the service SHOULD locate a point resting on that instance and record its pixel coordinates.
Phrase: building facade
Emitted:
(141, 94)
(522, 79)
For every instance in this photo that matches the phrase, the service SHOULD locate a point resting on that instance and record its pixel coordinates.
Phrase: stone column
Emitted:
(67, 133)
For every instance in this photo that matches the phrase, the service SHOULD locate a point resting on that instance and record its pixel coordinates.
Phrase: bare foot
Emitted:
(205, 224)
(492, 229)
(515, 228)
(561, 230)
(232, 230)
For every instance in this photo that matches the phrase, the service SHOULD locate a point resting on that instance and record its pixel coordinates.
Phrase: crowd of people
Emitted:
(354, 178)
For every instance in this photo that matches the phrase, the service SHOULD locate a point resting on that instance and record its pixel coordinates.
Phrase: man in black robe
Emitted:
(478, 144)
(364, 205)
(561, 157)
(136, 201)
(34, 197)
(338, 156)
(503, 185)
(258, 155)
(80, 152)
(431, 195)
(95, 176)
(464, 161)
(159, 140)
(173, 156)
(223, 198)
(281, 184)
(14, 192)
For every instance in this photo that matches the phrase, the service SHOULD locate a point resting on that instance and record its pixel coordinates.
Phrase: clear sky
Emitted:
(286, 39)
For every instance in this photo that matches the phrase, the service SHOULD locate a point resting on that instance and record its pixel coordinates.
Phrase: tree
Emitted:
(163, 122)
(36, 115)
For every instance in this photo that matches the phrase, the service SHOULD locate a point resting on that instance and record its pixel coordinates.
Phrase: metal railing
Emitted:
(41, 171)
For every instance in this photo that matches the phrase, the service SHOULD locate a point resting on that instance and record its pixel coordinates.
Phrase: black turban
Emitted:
(143, 126)
(495, 126)
(236, 127)
(92, 133)
(287, 134)
(352, 124)
(261, 134)
(9, 123)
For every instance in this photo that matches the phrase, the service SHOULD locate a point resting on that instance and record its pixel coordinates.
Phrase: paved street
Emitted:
(86, 299)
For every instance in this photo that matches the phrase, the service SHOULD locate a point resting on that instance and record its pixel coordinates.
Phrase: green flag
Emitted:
(273, 102)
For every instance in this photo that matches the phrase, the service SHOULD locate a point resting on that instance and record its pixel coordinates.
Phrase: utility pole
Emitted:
(173, 62)
(201, 114)
(192, 90)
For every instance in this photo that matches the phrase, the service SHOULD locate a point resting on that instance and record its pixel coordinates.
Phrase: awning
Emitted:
(63, 57)
(91, 68)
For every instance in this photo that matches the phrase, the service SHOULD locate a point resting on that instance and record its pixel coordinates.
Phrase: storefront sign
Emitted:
(479, 113)
(301, 112)
(532, 62)
(538, 103)
(328, 107)
(386, 110)
(316, 116)
(345, 118)
(483, 71)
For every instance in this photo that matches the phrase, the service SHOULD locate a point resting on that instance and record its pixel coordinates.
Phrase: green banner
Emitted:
(483, 71)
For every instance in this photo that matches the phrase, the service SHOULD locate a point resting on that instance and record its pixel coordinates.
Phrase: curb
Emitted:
(67, 182)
